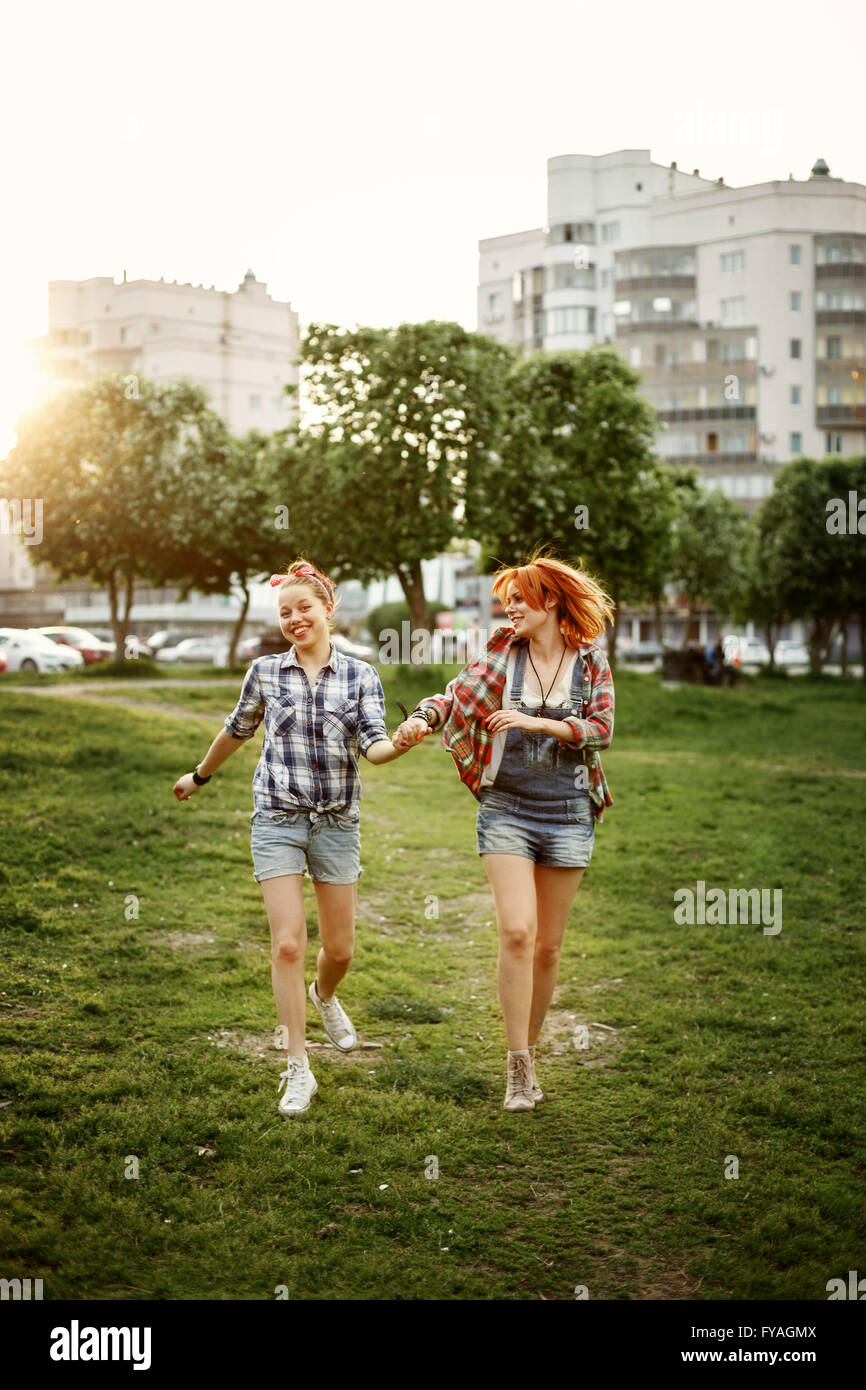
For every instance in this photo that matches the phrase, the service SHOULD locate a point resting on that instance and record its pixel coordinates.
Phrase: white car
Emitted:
(199, 651)
(791, 653)
(30, 651)
(745, 651)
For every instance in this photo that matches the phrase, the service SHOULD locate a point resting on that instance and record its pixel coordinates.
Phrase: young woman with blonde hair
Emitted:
(524, 725)
(320, 708)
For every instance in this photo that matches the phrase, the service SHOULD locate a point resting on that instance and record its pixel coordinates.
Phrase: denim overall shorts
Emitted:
(539, 806)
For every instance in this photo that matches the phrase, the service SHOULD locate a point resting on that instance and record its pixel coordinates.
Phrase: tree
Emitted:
(243, 530)
(114, 464)
(709, 550)
(817, 569)
(404, 421)
(575, 470)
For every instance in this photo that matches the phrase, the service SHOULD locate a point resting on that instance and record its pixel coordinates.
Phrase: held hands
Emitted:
(185, 787)
(410, 732)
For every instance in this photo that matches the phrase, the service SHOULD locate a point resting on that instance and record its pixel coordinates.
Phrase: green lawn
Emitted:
(149, 1037)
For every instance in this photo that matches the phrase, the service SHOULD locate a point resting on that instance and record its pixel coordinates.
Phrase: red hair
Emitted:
(583, 605)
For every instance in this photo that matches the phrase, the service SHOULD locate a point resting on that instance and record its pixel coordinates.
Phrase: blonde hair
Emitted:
(583, 605)
(300, 571)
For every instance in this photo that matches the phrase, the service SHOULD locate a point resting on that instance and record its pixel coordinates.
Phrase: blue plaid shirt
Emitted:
(309, 757)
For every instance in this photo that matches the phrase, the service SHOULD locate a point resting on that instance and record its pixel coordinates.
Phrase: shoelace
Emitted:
(295, 1069)
(334, 1014)
(522, 1074)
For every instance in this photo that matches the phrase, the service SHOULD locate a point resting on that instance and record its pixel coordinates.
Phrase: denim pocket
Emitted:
(579, 812)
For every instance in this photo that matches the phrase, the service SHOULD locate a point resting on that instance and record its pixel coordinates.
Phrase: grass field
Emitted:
(137, 1021)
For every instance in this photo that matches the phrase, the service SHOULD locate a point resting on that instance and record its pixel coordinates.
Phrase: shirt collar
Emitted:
(334, 660)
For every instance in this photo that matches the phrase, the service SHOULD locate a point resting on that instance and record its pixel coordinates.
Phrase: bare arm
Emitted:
(222, 747)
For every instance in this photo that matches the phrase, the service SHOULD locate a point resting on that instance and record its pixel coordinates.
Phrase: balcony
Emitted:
(656, 282)
(852, 417)
(657, 326)
(704, 373)
(841, 270)
(854, 318)
(705, 459)
(709, 412)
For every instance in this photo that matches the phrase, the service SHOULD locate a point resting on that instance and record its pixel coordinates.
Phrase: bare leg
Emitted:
(336, 903)
(513, 883)
(555, 890)
(284, 904)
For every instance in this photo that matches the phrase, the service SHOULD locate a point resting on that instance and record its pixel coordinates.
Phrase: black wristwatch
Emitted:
(200, 781)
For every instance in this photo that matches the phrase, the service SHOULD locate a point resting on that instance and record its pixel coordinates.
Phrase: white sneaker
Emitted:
(335, 1020)
(518, 1091)
(300, 1086)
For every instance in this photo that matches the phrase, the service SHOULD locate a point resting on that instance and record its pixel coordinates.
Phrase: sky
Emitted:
(353, 154)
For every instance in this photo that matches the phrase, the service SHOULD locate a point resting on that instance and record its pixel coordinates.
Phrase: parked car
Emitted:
(791, 653)
(745, 651)
(91, 647)
(197, 651)
(357, 649)
(2, 661)
(170, 637)
(134, 643)
(27, 650)
(268, 643)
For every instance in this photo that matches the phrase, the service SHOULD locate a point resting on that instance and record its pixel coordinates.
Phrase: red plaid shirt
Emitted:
(477, 691)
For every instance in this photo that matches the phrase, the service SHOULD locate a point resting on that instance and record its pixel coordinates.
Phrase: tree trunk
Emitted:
(611, 640)
(116, 623)
(687, 622)
(822, 630)
(412, 584)
(862, 616)
(844, 654)
(239, 625)
(657, 619)
(129, 590)
(771, 645)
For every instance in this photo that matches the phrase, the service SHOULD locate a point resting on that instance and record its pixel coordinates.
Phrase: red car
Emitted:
(92, 648)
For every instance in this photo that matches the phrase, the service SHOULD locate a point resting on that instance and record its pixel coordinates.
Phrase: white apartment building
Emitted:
(743, 309)
(239, 345)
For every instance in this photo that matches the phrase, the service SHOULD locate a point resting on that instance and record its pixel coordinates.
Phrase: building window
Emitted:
(571, 319)
(796, 301)
(154, 328)
(605, 275)
(255, 402)
(85, 339)
(796, 346)
(796, 395)
(734, 310)
(123, 335)
(793, 255)
(796, 442)
(494, 303)
(834, 347)
(834, 444)
(733, 261)
(610, 231)
(634, 356)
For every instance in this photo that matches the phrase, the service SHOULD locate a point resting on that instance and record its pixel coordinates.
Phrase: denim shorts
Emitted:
(327, 844)
(560, 834)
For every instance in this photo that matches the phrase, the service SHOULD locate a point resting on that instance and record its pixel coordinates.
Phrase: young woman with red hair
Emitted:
(524, 725)
(320, 708)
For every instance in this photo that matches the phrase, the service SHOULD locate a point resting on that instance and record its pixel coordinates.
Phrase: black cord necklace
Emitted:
(538, 678)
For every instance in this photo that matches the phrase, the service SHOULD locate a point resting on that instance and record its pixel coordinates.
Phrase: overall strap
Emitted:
(579, 684)
(519, 668)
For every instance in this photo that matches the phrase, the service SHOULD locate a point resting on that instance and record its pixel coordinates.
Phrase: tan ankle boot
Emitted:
(518, 1089)
(534, 1089)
